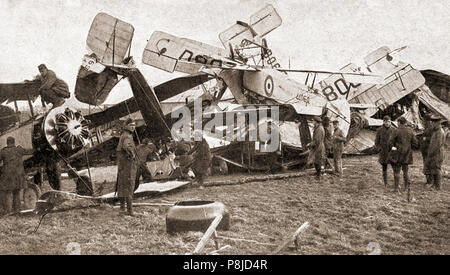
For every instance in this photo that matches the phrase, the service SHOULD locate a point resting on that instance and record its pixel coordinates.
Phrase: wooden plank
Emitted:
(291, 238)
(212, 228)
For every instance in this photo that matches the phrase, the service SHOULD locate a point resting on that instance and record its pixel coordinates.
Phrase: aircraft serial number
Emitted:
(340, 86)
(204, 59)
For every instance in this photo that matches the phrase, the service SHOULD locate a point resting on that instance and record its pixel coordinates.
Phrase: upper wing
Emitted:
(19, 91)
(171, 53)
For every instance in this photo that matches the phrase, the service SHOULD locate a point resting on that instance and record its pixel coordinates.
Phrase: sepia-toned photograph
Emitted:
(210, 127)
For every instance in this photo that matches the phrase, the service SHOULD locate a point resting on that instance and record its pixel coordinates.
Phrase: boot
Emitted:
(437, 182)
(396, 182)
(130, 207)
(429, 180)
(385, 181)
(122, 204)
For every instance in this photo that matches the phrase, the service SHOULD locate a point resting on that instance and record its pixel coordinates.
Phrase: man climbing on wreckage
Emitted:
(53, 90)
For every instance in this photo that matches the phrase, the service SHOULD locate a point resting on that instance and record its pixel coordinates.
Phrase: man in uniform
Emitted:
(338, 147)
(202, 158)
(402, 141)
(435, 155)
(425, 142)
(12, 179)
(328, 140)
(126, 166)
(317, 146)
(384, 134)
(145, 151)
(53, 90)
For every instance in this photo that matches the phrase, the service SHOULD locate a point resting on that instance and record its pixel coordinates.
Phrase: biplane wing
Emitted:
(27, 90)
(261, 23)
(170, 53)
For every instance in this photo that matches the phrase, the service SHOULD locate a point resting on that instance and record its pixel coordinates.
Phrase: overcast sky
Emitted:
(314, 34)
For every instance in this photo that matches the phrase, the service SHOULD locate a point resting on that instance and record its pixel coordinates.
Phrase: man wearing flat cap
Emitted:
(402, 141)
(384, 134)
(424, 144)
(317, 146)
(435, 155)
(53, 90)
(126, 166)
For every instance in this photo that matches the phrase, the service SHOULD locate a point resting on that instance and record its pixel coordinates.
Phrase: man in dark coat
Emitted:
(126, 166)
(338, 147)
(146, 151)
(402, 141)
(202, 160)
(424, 143)
(317, 146)
(382, 139)
(435, 155)
(53, 90)
(12, 179)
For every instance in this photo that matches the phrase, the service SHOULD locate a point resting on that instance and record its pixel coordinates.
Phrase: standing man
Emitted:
(126, 166)
(202, 158)
(317, 146)
(328, 140)
(401, 153)
(435, 155)
(12, 179)
(53, 90)
(338, 147)
(384, 134)
(424, 143)
(145, 151)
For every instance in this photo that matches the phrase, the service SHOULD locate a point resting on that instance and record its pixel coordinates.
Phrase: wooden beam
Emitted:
(212, 228)
(291, 238)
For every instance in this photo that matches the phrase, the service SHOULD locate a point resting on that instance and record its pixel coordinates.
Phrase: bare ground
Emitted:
(345, 217)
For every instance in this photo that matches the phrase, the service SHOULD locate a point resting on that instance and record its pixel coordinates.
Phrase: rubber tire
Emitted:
(202, 216)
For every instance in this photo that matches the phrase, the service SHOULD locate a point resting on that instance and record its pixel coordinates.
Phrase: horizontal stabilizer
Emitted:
(261, 23)
(109, 38)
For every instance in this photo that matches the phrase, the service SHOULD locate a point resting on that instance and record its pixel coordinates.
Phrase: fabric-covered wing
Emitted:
(162, 92)
(19, 91)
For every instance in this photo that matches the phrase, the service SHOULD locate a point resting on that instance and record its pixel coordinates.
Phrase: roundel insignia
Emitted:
(268, 85)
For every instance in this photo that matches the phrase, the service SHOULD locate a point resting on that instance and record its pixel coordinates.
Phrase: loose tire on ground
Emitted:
(196, 216)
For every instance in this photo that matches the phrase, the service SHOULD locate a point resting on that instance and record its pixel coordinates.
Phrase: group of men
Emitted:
(131, 163)
(395, 148)
(327, 139)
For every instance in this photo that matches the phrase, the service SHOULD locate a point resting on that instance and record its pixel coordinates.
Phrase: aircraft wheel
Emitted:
(30, 196)
(196, 216)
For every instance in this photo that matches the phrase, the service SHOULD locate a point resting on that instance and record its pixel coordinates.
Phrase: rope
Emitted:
(73, 170)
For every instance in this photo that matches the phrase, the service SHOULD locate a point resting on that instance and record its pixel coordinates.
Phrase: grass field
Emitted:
(345, 217)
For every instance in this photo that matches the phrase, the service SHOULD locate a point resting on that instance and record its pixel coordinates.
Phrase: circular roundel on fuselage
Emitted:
(268, 85)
